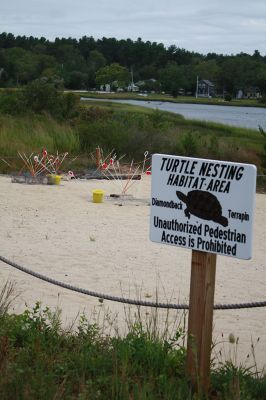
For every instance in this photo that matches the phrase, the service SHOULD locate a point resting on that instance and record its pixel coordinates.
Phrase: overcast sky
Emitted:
(221, 26)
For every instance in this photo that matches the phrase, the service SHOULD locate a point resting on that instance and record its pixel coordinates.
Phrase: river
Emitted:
(245, 117)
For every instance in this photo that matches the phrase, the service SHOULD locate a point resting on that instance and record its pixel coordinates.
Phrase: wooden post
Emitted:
(202, 285)
(98, 157)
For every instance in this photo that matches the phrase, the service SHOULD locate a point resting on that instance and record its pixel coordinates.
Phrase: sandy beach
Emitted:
(58, 231)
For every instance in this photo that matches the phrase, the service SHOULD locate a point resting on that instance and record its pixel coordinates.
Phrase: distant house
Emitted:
(132, 87)
(252, 92)
(149, 85)
(106, 88)
(205, 88)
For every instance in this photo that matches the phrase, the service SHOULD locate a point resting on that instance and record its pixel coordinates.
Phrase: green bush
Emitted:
(263, 99)
(92, 114)
(189, 142)
(39, 97)
(12, 102)
(228, 97)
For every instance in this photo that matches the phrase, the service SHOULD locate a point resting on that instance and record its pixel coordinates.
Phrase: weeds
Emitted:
(7, 296)
(43, 362)
(236, 380)
(39, 360)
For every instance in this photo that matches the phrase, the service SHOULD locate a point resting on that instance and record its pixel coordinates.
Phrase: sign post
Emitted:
(206, 206)
(202, 286)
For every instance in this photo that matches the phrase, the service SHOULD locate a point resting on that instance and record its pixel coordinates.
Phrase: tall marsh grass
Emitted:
(128, 131)
(31, 132)
(156, 131)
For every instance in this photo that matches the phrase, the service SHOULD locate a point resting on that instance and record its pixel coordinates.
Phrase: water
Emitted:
(245, 117)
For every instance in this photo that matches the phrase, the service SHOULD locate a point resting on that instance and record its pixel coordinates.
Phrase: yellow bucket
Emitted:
(97, 195)
(54, 179)
(57, 179)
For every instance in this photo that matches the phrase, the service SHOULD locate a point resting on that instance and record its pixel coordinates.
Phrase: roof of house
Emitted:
(253, 88)
(207, 82)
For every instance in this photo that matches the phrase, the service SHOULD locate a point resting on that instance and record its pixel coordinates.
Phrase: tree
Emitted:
(241, 71)
(112, 73)
(22, 65)
(173, 78)
(86, 45)
(148, 72)
(76, 62)
(76, 80)
(40, 96)
(207, 70)
(96, 60)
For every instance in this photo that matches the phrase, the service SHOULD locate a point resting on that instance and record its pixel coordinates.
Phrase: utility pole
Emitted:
(132, 80)
(197, 87)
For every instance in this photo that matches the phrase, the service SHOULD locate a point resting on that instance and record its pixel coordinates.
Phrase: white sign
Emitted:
(204, 205)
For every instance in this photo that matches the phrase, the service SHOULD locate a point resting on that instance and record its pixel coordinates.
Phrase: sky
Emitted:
(204, 26)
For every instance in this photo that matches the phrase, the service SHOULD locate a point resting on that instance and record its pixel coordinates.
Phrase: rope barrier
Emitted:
(125, 300)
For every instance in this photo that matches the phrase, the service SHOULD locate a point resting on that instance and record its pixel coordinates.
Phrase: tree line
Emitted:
(86, 63)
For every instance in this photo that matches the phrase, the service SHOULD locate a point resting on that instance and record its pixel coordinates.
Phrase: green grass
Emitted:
(246, 144)
(119, 107)
(40, 360)
(128, 129)
(171, 133)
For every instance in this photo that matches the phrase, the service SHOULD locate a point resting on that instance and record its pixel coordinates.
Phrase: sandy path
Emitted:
(59, 232)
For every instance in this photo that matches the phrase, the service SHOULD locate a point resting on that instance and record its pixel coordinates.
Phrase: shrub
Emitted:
(263, 99)
(12, 102)
(39, 97)
(189, 143)
(69, 105)
(93, 114)
(228, 97)
(174, 91)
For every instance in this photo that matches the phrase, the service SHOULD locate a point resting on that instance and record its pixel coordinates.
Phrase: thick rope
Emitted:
(125, 300)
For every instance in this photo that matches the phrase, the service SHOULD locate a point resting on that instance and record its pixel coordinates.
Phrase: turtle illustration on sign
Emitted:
(203, 205)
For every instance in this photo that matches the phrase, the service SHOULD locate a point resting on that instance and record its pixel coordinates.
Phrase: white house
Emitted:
(205, 88)
(106, 88)
(132, 87)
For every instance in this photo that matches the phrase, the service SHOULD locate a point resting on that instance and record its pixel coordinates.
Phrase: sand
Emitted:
(59, 232)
